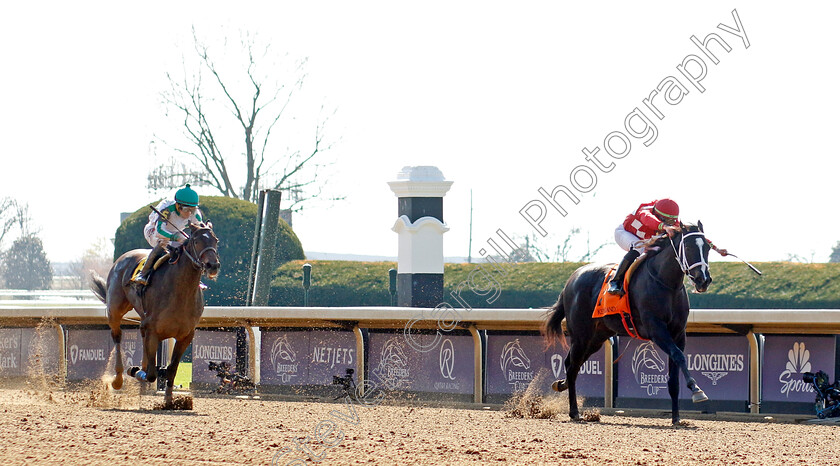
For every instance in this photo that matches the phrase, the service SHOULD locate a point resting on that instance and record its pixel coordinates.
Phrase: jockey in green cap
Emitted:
(160, 233)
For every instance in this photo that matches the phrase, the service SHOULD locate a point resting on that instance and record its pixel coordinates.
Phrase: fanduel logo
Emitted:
(556, 364)
(86, 354)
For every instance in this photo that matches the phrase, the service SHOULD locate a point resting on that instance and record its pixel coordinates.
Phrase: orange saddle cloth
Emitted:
(609, 304)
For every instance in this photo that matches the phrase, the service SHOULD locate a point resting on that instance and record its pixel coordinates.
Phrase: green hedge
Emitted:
(535, 285)
(233, 222)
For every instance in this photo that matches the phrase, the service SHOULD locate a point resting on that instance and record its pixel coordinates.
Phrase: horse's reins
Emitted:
(194, 258)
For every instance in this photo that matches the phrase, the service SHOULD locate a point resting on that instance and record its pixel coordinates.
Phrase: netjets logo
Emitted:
(392, 368)
(556, 364)
(798, 363)
(447, 359)
(284, 359)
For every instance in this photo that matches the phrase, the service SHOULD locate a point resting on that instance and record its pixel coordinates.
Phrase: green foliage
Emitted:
(537, 284)
(26, 265)
(233, 222)
(835, 253)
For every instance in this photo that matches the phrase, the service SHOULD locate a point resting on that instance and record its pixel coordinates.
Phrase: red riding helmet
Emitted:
(666, 208)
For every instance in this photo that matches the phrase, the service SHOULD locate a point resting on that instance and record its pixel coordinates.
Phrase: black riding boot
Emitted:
(617, 283)
(145, 274)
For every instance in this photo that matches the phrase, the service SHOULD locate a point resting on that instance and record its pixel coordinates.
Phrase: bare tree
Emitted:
(213, 102)
(537, 251)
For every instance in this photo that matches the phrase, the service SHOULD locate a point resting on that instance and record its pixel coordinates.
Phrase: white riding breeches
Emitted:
(628, 240)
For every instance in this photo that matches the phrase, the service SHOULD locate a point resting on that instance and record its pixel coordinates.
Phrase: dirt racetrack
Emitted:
(93, 425)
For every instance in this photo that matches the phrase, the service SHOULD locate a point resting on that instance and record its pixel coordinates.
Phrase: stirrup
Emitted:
(615, 288)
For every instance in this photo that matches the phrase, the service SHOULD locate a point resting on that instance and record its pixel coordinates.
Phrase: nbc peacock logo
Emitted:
(799, 362)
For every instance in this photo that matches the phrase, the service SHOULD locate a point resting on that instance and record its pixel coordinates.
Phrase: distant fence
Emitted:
(745, 360)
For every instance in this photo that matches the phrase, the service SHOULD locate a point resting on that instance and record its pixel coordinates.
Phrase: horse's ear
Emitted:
(210, 225)
(700, 226)
(682, 227)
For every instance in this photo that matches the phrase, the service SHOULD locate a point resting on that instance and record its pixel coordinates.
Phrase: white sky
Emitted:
(501, 97)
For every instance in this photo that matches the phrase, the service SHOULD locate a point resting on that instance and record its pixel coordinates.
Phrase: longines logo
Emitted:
(284, 359)
(714, 366)
(393, 368)
(648, 367)
(513, 358)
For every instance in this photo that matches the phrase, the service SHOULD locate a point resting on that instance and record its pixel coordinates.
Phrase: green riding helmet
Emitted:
(186, 196)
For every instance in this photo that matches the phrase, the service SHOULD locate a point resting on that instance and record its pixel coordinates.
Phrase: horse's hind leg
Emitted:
(116, 335)
(579, 352)
(115, 316)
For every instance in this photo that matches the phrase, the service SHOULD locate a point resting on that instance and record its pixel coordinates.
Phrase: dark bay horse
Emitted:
(169, 307)
(658, 304)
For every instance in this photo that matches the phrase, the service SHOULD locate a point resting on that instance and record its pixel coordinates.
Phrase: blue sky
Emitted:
(502, 98)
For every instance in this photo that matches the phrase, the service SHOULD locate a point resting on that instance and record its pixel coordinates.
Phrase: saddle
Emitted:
(171, 256)
(610, 304)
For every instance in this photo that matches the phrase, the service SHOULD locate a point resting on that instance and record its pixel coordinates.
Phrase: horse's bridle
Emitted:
(679, 253)
(196, 258)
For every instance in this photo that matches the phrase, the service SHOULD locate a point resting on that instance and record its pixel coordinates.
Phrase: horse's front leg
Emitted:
(677, 363)
(177, 352)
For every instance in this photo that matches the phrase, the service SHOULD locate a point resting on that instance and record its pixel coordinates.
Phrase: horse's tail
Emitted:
(97, 285)
(552, 328)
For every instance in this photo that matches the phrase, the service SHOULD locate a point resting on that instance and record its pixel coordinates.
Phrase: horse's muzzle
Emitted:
(212, 269)
(702, 284)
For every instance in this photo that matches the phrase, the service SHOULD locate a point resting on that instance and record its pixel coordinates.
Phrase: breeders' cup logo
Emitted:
(513, 358)
(797, 364)
(284, 359)
(556, 365)
(648, 366)
(393, 367)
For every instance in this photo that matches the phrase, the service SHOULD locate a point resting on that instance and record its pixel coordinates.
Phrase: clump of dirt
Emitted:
(178, 403)
(534, 403)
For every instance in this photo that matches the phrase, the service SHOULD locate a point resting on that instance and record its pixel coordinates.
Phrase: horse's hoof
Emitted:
(117, 383)
(559, 385)
(675, 421)
(575, 417)
(699, 396)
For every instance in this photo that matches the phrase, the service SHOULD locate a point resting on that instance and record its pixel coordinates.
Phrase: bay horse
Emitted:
(658, 304)
(170, 306)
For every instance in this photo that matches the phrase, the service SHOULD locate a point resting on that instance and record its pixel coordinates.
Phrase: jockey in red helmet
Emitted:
(648, 220)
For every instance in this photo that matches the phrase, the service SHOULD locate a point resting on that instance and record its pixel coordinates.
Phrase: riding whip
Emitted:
(173, 225)
(742, 260)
